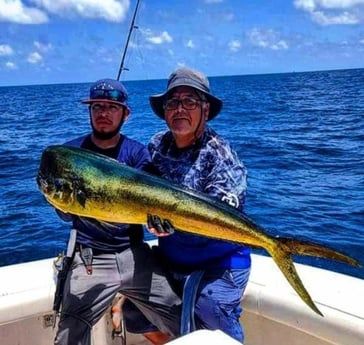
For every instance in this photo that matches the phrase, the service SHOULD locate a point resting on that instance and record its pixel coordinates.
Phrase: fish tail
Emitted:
(311, 249)
(283, 259)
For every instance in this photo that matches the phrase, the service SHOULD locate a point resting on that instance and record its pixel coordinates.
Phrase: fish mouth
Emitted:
(49, 178)
(43, 184)
(54, 188)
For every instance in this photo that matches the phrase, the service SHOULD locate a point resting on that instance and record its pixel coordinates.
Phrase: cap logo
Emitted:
(105, 90)
(103, 85)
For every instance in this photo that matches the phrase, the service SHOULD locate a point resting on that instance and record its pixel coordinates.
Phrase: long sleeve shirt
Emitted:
(209, 166)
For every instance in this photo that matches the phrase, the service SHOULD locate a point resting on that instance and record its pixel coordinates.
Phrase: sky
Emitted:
(71, 41)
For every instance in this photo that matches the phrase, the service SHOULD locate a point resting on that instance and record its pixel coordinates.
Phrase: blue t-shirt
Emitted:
(209, 166)
(106, 236)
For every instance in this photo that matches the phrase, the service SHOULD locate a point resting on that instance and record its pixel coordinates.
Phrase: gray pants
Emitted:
(136, 274)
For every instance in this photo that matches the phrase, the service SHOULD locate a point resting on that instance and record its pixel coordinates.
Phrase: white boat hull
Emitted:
(273, 313)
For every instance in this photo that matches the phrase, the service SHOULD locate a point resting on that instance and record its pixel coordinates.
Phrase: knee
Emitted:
(215, 314)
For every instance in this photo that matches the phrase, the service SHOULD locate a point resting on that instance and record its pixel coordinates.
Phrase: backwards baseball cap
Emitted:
(108, 90)
(186, 77)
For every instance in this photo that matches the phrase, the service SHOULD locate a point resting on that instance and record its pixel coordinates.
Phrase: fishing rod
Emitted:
(131, 28)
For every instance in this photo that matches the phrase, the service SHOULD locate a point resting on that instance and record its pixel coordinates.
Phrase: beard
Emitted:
(106, 135)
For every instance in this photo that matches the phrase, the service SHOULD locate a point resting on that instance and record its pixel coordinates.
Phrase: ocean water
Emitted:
(300, 135)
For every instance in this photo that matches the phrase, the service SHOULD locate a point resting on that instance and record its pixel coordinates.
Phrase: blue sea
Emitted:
(300, 135)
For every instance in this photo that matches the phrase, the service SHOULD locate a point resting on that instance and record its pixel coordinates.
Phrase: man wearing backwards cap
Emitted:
(109, 258)
(194, 155)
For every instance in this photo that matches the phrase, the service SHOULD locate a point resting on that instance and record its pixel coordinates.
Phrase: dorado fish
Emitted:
(84, 183)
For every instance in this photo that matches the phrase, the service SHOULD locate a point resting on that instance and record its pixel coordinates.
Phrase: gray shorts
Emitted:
(136, 274)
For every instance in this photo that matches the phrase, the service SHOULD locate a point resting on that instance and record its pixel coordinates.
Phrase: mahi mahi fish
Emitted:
(84, 183)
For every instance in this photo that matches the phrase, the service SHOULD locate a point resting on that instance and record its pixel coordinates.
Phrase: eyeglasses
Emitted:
(111, 108)
(187, 103)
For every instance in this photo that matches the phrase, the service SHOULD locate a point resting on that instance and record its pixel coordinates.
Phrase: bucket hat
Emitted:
(107, 90)
(186, 77)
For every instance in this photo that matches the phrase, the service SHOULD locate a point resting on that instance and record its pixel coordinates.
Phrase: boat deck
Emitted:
(273, 313)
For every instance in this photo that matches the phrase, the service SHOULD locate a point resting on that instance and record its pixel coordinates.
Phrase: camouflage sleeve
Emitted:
(227, 178)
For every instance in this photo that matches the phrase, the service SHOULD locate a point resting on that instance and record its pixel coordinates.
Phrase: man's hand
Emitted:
(157, 228)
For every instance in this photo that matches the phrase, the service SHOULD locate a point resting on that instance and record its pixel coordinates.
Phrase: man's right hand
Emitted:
(157, 228)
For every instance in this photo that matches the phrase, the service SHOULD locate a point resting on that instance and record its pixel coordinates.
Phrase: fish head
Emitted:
(56, 179)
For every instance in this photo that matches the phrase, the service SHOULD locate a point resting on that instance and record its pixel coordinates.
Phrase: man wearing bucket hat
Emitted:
(106, 258)
(194, 155)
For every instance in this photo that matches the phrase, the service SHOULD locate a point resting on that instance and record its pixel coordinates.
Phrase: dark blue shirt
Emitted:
(106, 236)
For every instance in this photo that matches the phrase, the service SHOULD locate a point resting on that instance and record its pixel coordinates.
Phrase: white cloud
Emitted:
(110, 10)
(343, 18)
(5, 50)
(10, 65)
(268, 39)
(42, 47)
(164, 37)
(338, 3)
(16, 12)
(34, 58)
(190, 44)
(234, 45)
(330, 12)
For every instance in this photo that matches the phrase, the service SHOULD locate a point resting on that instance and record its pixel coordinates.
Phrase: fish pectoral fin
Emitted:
(282, 257)
(312, 249)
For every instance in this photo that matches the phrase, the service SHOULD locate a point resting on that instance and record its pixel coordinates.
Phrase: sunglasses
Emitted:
(112, 95)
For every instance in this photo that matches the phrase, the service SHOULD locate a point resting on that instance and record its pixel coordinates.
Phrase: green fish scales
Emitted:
(87, 184)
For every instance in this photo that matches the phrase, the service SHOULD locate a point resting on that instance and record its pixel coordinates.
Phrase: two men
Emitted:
(189, 153)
